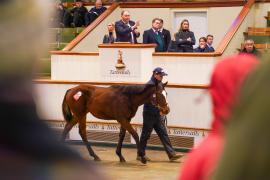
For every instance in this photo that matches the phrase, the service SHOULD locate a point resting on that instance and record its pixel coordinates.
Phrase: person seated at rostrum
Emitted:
(249, 48)
(202, 46)
(110, 37)
(209, 42)
(94, 12)
(75, 18)
(185, 38)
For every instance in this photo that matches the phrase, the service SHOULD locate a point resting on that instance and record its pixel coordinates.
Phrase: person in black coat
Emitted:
(202, 46)
(94, 12)
(76, 16)
(152, 119)
(185, 38)
(109, 38)
(166, 35)
(126, 30)
(154, 36)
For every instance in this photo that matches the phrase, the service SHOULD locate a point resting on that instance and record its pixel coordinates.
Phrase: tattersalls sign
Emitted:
(120, 65)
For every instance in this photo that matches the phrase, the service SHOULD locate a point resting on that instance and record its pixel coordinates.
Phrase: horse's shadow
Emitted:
(128, 164)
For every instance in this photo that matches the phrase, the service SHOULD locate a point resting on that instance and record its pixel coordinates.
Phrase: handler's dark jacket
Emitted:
(149, 107)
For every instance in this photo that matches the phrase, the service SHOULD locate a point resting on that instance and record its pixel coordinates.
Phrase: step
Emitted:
(259, 46)
(257, 33)
(258, 30)
(56, 46)
(63, 35)
(259, 39)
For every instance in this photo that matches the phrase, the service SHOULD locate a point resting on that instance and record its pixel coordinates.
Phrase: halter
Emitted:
(156, 103)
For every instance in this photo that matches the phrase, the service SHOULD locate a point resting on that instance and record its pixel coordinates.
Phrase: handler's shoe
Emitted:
(139, 158)
(175, 157)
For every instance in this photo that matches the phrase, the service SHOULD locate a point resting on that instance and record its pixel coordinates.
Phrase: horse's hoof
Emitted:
(97, 159)
(143, 160)
(122, 160)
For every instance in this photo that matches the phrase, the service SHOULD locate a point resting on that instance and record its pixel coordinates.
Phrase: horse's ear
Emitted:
(164, 84)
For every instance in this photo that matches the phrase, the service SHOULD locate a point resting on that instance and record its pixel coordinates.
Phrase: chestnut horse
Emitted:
(110, 103)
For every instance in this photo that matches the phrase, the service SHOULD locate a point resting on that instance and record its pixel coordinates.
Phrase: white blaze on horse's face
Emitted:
(164, 93)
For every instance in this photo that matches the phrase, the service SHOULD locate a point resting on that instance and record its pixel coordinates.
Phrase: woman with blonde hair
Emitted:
(185, 38)
(110, 37)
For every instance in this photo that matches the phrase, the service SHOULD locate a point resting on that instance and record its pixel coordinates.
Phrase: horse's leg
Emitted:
(120, 142)
(68, 127)
(129, 128)
(82, 131)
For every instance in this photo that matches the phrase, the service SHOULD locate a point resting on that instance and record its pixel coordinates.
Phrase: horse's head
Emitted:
(161, 99)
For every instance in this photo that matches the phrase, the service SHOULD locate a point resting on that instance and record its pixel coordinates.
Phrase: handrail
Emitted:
(234, 27)
(126, 45)
(192, 54)
(170, 85)
(219, 50)
(91, 27)
(74, 53)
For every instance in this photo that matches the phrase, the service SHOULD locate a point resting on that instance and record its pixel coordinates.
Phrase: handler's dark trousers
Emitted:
(150, 122)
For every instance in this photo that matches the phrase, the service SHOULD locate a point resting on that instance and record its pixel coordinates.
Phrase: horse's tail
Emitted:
(66, 110)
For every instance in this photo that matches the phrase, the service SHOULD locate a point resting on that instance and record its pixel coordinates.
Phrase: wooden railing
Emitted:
(170, 85)
(234, 27)
(219, 50)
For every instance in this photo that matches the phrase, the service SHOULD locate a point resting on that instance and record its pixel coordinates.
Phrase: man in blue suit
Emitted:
(126, 30)
(154, 36)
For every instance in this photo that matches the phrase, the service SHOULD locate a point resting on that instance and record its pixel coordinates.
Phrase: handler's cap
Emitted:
(159, 70)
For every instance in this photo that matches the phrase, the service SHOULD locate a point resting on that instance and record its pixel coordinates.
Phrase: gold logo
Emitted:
(120, 64)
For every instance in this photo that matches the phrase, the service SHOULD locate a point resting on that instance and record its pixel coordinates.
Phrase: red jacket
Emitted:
(225, 85)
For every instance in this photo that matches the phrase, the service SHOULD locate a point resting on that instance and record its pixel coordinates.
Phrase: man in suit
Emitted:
(166, 35)
(209, 42)
(126, 30)
(153, 35)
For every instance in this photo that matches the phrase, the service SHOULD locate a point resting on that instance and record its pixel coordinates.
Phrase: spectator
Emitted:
(166, 35)
(249, 48)
(29, 149)
(58, 16)
(94, 12)
(226, 81)
(126, 30)
(173, 46)
(185, 38)
(202, 46)
(109, 38)
(76, 16)
(209, 42)
(246, 152)
(153, 35)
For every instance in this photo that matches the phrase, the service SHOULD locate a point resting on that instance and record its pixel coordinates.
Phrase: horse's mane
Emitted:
(132, 89)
